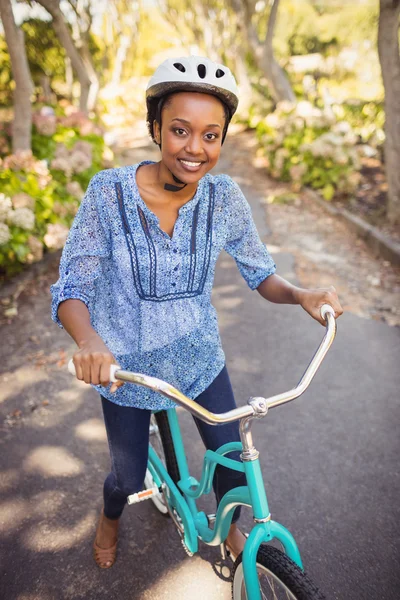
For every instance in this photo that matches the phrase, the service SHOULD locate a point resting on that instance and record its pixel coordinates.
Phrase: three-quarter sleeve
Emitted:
(244, 244)
(86, 248)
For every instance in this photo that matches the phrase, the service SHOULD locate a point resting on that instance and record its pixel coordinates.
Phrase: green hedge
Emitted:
(42, 189)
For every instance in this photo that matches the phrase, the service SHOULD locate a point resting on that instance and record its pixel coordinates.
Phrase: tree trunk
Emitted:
(22, 124)
(69, 78)
(63, 34)
(281, 88)
(94, 80)
(263, 52)
(46, 89)
(388, 48)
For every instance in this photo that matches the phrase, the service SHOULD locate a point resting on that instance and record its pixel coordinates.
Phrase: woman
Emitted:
(137, 272)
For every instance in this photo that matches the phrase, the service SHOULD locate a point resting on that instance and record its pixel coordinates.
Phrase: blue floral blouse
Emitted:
(149, 294)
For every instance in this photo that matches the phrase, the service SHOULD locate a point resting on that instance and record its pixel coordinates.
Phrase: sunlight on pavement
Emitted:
(46, 504)
(8, 479)
(20, 379)
(91, 430)
(229, 303)
(226, 289)
(67, 402)
(194, 578)
(12, 513)
(52, 461)
(42, 537)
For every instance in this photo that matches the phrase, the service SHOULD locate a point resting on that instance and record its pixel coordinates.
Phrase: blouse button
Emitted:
(173, 284)
(176, 268)
(175, 250)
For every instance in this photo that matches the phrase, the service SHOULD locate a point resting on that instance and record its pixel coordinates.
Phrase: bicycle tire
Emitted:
(168, 445)
(163, 442)
(283, 570)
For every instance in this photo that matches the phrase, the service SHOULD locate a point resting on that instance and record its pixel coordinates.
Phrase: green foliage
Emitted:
(366, 118)
(308, 44)
(49, 189)
(5, 74)
(305, 145)
(304, 27)
(45, 54)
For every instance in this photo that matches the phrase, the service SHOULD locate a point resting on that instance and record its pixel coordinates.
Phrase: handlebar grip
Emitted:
(325, 309)
(113, 370)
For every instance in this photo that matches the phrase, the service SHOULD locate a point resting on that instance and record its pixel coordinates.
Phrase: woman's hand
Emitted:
(92, 362)
(312, 300)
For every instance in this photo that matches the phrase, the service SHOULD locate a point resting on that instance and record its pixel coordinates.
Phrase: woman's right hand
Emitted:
(92, 363)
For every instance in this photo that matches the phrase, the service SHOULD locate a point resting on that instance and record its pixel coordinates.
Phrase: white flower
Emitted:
(340, 157)
(367, 151)
(306, 109)
(319, 148)
(36, 249)
(285, 106)
(62, 164)
(5, 234)
(342, 127)
(332, 139)
(350, 139)
(56, 235)
(23, 217)
(5, 207)
(272, 120)
(80, 161)
(83, 146)
(23, 200)
(74, 188)
(61, 151)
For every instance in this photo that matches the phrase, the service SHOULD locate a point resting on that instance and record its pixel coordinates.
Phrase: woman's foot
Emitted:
(235, 541)
(105, 543)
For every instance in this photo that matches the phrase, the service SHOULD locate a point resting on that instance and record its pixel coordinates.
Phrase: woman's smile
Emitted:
(191, 166)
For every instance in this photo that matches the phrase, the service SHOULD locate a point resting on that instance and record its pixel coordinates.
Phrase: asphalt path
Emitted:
(329, 459)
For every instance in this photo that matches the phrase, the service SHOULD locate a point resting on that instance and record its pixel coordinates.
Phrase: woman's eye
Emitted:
(211, 139)
(179, 131)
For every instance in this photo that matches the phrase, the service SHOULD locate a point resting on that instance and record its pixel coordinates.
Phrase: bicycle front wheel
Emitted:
(162, 443)
(280, 578)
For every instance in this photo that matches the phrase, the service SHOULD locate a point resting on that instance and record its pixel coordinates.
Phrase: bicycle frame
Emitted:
(182, 497)
(195, 523)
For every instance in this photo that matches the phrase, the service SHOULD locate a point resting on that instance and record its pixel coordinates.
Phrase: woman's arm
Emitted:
(276, 289)
(93, 359)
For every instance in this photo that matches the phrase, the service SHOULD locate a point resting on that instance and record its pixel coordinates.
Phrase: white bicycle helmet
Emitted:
(194, 74)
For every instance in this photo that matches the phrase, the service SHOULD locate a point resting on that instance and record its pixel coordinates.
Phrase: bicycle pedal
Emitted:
(143, 495)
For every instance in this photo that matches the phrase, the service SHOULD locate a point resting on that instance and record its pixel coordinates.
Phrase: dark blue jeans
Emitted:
(128, 440)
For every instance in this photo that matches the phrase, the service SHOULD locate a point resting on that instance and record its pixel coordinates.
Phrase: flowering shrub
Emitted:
(42, 189)
(307, 145)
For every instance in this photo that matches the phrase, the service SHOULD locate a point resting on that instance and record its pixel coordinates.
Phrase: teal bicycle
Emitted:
(261, 571)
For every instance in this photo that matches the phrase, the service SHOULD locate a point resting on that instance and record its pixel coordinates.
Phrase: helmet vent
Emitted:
(180, 67)
(219, 73)
(201, 69)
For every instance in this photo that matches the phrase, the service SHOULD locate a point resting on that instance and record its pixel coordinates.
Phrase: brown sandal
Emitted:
(104, 557)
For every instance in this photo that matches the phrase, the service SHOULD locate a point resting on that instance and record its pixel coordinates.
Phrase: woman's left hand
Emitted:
(312, 300)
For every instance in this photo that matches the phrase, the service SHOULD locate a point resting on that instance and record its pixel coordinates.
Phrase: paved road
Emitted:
(330, 459)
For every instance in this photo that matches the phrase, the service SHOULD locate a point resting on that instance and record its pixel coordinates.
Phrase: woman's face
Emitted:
(192, 126)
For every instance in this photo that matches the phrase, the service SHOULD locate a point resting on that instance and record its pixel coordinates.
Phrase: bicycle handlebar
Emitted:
(167, 390)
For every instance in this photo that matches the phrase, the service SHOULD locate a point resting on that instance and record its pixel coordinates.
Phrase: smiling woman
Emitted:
(137, 272)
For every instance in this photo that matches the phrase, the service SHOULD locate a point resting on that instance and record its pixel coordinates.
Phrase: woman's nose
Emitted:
(194, 145)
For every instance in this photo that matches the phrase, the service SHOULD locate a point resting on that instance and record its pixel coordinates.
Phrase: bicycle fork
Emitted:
(265, 529)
